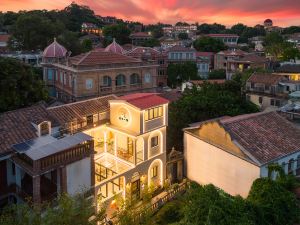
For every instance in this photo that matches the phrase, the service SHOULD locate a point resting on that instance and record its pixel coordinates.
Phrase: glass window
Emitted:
(150, 114)
(89, 84)
(106, 81)
(154, 171)
(147, 78)
(146, 115)
(120, 80)
(154, 141)
(260, 100)
(153, 113)
(50, 74)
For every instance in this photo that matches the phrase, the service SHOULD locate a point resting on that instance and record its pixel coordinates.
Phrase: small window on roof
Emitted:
(44, 128)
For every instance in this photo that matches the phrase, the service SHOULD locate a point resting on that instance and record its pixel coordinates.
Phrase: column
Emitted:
(58, 181)
(36, 189)
(18, 175)
(294, 166)
(63, 179)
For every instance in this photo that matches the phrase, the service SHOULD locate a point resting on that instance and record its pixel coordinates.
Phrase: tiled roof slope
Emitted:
(289, 68)
(269, 79)
(266, 136)
(17, 126)
(144, 100)
(77, 110)
(100, 58)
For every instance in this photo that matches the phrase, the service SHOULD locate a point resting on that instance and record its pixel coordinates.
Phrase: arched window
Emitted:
(120, 80)
(106, 81)
(134, 79)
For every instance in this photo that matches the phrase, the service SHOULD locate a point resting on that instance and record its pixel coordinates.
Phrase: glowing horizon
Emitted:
(282, 12)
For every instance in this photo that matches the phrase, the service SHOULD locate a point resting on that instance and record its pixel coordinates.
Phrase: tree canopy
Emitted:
(180, 72)
(20, 85)
(209, 101)
(183, 36)
(211, 28)
(118, 31)
(208, 44)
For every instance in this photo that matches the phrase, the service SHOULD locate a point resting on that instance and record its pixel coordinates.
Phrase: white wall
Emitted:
(79, 176)
(207, 164)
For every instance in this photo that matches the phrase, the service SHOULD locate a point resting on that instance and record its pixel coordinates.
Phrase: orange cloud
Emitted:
(228, 12)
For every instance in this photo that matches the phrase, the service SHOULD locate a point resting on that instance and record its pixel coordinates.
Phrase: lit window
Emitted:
(154, 141)
(154, 171)
(153, 113)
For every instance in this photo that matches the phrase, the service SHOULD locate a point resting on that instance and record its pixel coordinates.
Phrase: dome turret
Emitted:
(55, 50)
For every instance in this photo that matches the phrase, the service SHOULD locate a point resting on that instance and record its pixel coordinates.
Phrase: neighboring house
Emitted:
(230, 40)
(242, 63)
(258, 43)
(222, 57)
(4, 38)
(28, 57)
(180, 54)
(158, 56)
(198, 83)
(173, 31)
(269, 90)
(139, 38)
(232, 152)
(91, 28)
(96, 73)
(106, 145)
(204, 62)
(291, 71)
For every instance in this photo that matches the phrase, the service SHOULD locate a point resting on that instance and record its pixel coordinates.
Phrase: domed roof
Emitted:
(55, 50)
(114, 47)
(268, 21)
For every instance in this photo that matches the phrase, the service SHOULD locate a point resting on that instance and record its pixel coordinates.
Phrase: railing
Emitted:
(136, 85)
(121, 87)
(106, 89)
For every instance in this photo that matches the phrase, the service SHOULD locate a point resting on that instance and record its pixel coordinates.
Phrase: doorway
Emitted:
(135, 190)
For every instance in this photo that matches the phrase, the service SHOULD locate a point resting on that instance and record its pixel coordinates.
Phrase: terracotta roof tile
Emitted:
(144, 100)
(269, 79)
(17, 126)
(179, 48)
(266, 136)
(100, 58)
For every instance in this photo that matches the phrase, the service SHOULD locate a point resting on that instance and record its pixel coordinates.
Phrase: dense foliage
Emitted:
(118, 31)
(152, 42)
(178, 73)
(20, 85)
(208, 44)
(210, 101)
(183, 36)
(217, 74)
(75, 210)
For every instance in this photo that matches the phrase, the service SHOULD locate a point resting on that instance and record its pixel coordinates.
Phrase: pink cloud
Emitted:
(227, 12)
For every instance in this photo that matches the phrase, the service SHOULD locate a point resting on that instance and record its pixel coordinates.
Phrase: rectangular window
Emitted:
(89, 120)
(153, 113)
(154, 141)
(61, 77)
(89, 84)
(260, 100)
(277, 103)
(154, 171)
(272, 102)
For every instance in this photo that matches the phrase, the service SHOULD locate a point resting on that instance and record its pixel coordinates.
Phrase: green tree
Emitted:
(279, 206)
(70, 40)
(86, 45)
(75, 210)
(20, 86)
(183, 36)
(178, 73)
(152, 42)
(210, 101)
(208, 44)
(211, 28)
(217, 74)
(238, 28)
(118, 31)
(33, 31)
(291, 30)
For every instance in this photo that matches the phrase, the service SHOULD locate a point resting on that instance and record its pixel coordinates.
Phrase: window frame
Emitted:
(154, 141)
(150, 113)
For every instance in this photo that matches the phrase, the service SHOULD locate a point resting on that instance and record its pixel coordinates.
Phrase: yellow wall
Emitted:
(134, 116)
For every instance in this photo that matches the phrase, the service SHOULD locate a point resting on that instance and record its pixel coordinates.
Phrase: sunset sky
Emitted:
(228, 12)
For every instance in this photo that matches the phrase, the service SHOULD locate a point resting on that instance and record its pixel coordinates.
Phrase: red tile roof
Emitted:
(4, 37)
(101, 58)
(17, 126)
(222, 35)
(252, 58)
(266, 136)
(207, 54)
(144, 100)
(269, 79)
(200, 82)
(138, 52)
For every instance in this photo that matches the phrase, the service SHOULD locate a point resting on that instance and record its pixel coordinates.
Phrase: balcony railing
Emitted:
(121, 87)
(124, 154)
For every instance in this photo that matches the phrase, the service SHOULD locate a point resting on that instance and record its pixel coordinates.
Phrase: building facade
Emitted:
(270, 90)
(232, 152)
(180, 54)
(105, 146)
(96, 73)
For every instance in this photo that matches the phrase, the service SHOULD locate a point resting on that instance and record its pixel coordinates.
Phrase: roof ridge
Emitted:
(86, 100)
(243, 117)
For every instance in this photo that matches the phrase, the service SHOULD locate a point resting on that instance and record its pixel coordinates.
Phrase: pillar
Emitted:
(63, 179)
(18, 176)
(58, 181)
(36, 189)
